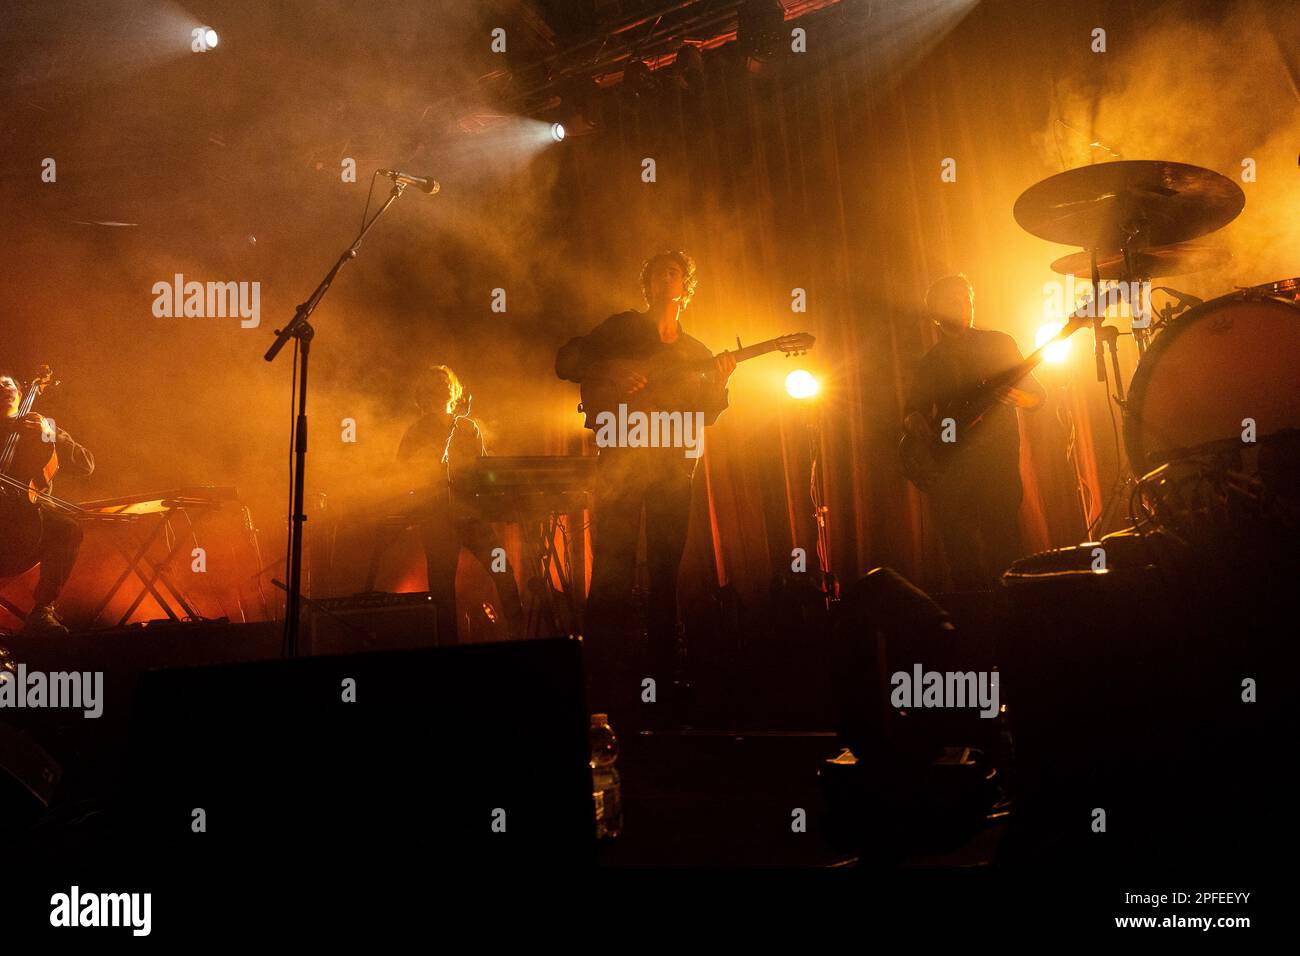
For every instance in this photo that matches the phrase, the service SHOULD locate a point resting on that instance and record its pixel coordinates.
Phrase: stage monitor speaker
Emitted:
(377, 621)
(29, 777)
(447, 757)
(1125, 690)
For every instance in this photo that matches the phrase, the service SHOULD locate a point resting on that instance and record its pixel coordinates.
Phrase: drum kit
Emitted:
(1212, 376)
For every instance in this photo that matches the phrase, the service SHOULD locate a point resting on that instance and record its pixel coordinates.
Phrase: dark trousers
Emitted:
(55, 550)
(979, 519)
(631, 483)
(443, 540)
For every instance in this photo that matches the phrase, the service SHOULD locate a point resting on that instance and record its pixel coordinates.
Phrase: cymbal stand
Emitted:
(1107, 337)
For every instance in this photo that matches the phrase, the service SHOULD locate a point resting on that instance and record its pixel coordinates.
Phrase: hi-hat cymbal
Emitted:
(1155, 203)
(1156, 262)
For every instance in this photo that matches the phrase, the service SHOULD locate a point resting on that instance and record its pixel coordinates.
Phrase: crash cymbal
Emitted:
(1155, 262)
(1157, 203)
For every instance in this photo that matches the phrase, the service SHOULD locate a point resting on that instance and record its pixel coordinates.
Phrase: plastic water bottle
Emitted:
(605, 786)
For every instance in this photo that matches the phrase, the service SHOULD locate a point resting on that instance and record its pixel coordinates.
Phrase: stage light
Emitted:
(688, 68)
(557, 132)
(1057, 352)
(581, 106)
(210, 38)
(760, 32)
(801, 384)
(638, 80)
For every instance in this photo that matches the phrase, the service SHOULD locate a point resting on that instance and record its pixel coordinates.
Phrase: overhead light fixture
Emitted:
(638, 79)
(760, 32)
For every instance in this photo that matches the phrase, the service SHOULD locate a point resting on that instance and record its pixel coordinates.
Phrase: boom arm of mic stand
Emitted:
(300, 317)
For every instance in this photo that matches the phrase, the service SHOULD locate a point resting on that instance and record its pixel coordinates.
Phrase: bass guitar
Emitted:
(926, 457)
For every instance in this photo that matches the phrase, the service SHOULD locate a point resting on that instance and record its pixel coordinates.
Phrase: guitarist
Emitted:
(54, 539)
(977, 501)
(633, 480)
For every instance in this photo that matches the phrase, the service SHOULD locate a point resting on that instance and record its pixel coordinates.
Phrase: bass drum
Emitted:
(1229, 359)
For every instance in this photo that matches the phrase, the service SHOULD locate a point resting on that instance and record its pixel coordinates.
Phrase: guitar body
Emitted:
(663, 378)
(666, 375)
(922, 460)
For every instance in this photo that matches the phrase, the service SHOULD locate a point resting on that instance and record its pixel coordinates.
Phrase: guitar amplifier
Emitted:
(375, 621)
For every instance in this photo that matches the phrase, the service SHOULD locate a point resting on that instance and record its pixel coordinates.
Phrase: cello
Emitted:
(26, 466)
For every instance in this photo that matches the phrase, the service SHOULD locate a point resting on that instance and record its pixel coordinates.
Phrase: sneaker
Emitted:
(44, 622)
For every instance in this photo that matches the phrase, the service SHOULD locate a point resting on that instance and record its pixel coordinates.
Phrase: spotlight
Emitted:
(801, 384)
(557, 132)
(688, 67)
(760, 32)
(638, 79)
(1057, 352)
(210, 38)
(580, 107)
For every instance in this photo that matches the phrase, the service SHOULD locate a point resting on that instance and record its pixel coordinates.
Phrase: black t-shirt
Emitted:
(634, 335)
(954, 366)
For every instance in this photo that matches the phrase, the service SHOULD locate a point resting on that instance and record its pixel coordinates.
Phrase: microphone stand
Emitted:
(1098, 319)
(300, 328)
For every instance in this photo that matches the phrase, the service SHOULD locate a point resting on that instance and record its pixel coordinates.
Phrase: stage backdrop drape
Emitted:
(828, 180)
(819, 180)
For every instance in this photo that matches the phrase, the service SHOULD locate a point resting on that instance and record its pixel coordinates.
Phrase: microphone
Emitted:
(423, 183)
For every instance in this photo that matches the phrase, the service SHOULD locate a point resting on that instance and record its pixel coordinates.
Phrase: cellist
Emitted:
(30, 533)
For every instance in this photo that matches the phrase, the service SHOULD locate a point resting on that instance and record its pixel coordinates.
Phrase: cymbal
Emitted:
(1155, 262)
(1156, 203)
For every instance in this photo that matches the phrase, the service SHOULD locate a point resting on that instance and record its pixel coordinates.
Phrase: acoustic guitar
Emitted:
(664, 374)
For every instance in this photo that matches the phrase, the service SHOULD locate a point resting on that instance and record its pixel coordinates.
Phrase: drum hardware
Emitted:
(1223, 362)
(1179, 258)
(1116, 212)
(1124, 478)
(1221, 491)
(1100, 206)
(1287, 289)
(1181, 302)
(1133, 219)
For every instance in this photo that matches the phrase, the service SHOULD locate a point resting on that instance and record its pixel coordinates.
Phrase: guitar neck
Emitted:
(753, 351)
(1017, 372)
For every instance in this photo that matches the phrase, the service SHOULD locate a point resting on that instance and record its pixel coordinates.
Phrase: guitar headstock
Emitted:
(796, 343)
